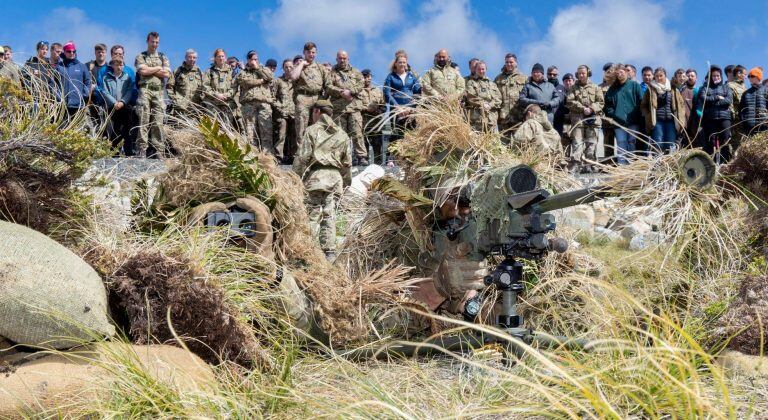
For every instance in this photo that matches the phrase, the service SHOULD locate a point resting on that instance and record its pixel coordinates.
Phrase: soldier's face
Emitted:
(568, 83)
(190, 59)
(581, 74)
(253, 62)
(442, 58)
(287, 67)
(481, 69)
(367, 80)
(309, 55)
(8, 54)
(510, 64)
(219, 59)
(153, 43)
(342, 59)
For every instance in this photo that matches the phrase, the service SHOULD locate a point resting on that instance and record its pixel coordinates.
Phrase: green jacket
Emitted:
(622, 103)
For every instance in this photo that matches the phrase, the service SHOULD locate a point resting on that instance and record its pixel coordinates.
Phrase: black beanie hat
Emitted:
(537, 67)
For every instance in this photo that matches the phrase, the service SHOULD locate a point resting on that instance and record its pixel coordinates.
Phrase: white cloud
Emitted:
(608, 30)
(449, 24)
(73, 24)
(332, 24)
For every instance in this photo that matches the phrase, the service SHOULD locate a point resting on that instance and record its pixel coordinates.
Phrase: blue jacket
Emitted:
(754, 106)
(75, 83)
(398, 93)
(116, 89)
(103, 72)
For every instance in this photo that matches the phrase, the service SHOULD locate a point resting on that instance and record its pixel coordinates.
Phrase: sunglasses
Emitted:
(70, 51)
(552, 74)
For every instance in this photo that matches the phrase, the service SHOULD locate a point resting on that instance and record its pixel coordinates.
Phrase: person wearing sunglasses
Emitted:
(74, 84)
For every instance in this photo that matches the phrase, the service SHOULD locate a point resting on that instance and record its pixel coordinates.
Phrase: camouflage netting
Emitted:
(149, 289)
(232, 169)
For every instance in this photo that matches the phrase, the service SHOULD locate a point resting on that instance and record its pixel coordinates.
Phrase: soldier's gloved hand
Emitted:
(457, 274)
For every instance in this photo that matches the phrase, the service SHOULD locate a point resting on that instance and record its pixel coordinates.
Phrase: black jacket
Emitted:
(542, 94)
(754, 106)
(714, 108)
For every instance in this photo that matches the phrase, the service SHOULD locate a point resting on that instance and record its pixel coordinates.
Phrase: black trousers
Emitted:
(714, 133)
(120, 130)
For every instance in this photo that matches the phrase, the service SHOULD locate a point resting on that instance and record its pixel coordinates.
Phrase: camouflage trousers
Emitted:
(304, 104)
(583, 144)
(286, 139)
(151, 110)
(321, 206)
(352, 124)
(257, 117)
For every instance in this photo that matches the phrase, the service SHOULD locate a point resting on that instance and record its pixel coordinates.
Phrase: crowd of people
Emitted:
(569, 115)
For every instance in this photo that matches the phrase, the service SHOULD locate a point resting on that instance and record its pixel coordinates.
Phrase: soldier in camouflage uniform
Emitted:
(310, 80)
(285, 110)
(254, 84)
(324, 163)
(537, 131)
(219, 89)
(442, 80)
(482, 99)
(510, 82)
(737, 86)
(186, 88)
(373, 106)
(585, 105)
(346, 83)
(152, 71)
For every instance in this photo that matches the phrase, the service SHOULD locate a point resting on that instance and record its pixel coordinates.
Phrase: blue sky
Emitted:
(680, 33)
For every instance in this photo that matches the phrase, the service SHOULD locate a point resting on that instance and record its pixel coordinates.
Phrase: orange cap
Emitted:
(757, 73)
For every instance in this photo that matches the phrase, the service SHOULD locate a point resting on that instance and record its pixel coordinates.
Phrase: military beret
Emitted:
(323, 103)
(607, 65)
(366, 72)
(271, 63)
(567, 76)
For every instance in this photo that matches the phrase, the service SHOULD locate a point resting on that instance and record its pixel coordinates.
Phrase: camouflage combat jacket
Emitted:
(341, 79)
(156, 59)
(324, 160)
(442, 82)
(588, 95)
(254, 85)
(483, 99)
(219, 81)
(312, 81)
(510, 85)
(186, 86)
(284, 97)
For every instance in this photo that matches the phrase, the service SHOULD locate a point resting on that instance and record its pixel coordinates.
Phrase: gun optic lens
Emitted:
(521, 179)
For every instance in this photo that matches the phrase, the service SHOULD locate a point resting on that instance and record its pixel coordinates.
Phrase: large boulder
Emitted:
(49, 297)
(64, 383)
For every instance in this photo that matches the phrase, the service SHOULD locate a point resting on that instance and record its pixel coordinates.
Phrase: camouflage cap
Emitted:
(323, 103)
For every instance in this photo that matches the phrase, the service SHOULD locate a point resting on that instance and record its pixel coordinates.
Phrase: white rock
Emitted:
(608, 233)
(580, 217)
(645, 240)
(635, 228)
(735, 362)
(361, 183)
